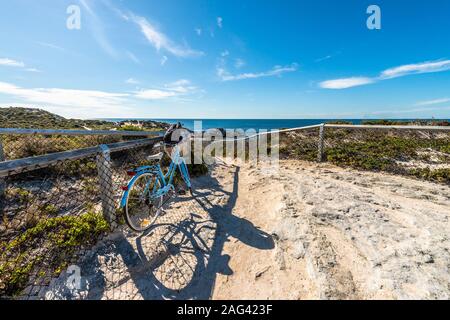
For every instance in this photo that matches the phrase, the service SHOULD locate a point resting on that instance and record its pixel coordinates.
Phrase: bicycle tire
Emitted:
(151, 218)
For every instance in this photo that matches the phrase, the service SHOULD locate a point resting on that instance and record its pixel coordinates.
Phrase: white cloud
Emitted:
(181, 86)
(160, 41)
(92, 103)
(198, 31)
(50, 45)
(65, 97)
(225, 53)
(224, 75)
(178, 88)
(84, 103)
(132, 81)
(324, 58)
(98, 31)
(345, 83)
(11, 63)
(220, 22)
(133, 58)
(239, 63)
(424, 67)
(33, 70)
(401, 71)
(155, 94)
(163, 60)
(116, 10)
(432, 102)
(16, 64)
(327, 57)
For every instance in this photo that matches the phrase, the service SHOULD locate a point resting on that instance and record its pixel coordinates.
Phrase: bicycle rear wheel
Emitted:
(142, 207)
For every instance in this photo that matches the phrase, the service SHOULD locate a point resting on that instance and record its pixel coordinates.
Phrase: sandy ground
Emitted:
(339, 234)
(308, 231)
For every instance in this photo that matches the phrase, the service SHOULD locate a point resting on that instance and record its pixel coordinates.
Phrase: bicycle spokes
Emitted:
(142, 206)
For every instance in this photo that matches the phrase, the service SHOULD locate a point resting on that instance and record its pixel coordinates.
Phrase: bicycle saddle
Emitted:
(155, 157)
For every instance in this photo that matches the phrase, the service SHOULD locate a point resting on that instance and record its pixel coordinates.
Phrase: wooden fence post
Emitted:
(321, 143)
(106, 185)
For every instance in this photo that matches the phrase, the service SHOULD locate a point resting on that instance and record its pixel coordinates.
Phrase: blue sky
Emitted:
(227, 59)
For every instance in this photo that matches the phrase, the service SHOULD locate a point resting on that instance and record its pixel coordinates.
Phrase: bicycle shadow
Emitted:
(181, 258)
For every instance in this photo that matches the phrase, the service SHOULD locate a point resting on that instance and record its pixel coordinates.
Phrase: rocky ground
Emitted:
(308, 231)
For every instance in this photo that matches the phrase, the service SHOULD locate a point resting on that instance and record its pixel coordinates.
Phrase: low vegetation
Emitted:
(423, 155)
(23, 146)
(383, 122)
(46, 249)
(30, 118)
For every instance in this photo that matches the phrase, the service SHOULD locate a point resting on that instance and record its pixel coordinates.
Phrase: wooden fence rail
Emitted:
(38, 162)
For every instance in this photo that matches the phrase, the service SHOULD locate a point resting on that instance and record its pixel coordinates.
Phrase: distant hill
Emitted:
(27, 118)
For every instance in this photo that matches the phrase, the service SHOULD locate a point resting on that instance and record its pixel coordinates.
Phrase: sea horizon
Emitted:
(257, 124)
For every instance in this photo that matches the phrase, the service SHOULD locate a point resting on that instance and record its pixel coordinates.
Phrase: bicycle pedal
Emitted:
(145, 223)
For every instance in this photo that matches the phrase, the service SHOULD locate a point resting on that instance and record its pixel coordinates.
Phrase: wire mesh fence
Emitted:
(17, 145)
(420, 152)
(51, 215)
(300, 144)
(47, 216)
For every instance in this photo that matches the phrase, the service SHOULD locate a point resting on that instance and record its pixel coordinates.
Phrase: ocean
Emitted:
(252, 123)
(246, 124)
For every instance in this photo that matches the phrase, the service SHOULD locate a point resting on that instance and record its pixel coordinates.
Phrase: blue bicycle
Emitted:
(150, 189)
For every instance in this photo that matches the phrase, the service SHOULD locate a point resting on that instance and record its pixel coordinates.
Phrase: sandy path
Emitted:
(309, 231)
(339, 234)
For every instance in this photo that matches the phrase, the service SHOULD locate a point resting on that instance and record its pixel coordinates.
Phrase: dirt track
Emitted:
(307, 232)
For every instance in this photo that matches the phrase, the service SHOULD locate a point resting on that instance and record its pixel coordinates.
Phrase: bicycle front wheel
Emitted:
(142, 207)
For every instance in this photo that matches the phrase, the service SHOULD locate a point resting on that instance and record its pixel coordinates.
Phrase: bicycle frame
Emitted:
(165, 180)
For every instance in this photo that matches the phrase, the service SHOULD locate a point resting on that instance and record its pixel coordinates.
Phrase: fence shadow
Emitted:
(186, 260)
(187, 257)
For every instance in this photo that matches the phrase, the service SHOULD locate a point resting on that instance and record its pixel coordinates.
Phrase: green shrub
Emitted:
(339, 122)
(373, 150)
(130, 128)
(49, 210)
(49, 244)
(384, 122)
(438, 175)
